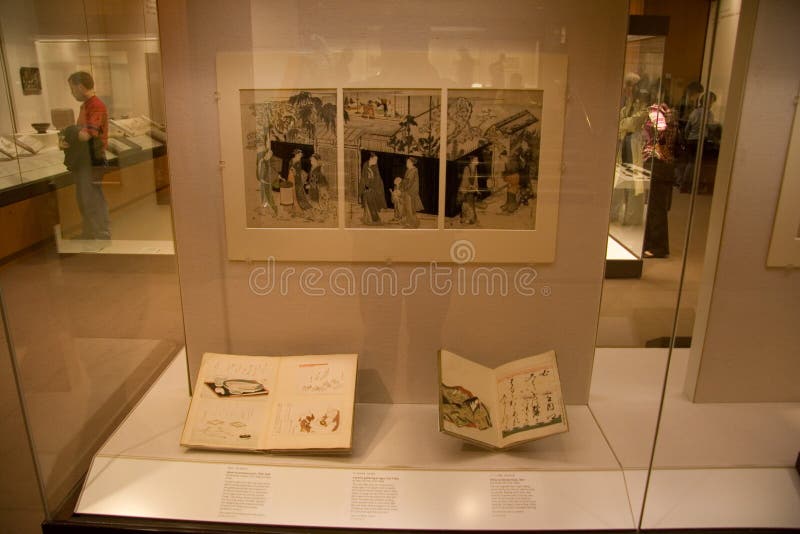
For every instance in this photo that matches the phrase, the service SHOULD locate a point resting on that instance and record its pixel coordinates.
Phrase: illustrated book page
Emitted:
(467, 400)
(314, 403)
(499, 408)
(267, 403)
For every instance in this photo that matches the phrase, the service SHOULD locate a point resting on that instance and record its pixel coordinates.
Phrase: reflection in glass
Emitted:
(89, 331)
(633, 179)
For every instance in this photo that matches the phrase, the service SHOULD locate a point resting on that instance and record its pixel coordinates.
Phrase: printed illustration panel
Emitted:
(391, 144)
(493, 146)
(289, 151)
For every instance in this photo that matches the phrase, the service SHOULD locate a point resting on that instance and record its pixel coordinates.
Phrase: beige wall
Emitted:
(397, 337)
(749, 335)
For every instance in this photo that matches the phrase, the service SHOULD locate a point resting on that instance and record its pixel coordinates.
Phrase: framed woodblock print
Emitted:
(313, 171)
(289, 158)
(391, 155)
(493, 146)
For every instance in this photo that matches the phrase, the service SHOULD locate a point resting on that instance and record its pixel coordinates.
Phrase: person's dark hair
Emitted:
(316, 156)
(81, 78)
(372, 155)
(712, 97)
(413, 160)
(694, 87)
(296, 151)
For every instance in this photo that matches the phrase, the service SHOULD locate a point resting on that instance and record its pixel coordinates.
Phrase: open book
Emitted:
(502, 407)
(273, 403)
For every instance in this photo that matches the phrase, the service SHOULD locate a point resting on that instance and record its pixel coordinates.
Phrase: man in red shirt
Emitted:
(92, 127)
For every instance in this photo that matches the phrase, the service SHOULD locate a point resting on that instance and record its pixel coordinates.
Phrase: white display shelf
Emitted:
(427, 480)
(615, 251)
(716, 465)
(49, 162)
(723, 498)
(432, 480)
(30, 168)
(154, 247)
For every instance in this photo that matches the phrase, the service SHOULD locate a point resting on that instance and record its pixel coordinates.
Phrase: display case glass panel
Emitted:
(404, 74)
(728, 431)
(91, 322)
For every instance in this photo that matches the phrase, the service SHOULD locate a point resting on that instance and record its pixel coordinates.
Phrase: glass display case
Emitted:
(121, 53)
(89, 322)
(411, 182)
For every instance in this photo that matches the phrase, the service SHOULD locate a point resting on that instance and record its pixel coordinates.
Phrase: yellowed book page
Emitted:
(231, 402)
(530, 403)
(467, 399)
(314, 403)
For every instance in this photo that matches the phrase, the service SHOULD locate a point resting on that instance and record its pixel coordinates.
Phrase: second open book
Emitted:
(502, 407)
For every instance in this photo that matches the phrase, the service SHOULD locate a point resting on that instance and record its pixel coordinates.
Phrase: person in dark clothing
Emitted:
(371, 191)
(660, 131)
(88, 139)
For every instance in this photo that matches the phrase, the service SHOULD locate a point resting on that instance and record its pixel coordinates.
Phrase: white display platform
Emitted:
(615, 251)
(30, 168)
(402, 474)
(723, 498)
(716, 465)
(112, 246)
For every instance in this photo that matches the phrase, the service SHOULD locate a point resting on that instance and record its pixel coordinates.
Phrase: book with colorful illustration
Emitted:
(503, 407)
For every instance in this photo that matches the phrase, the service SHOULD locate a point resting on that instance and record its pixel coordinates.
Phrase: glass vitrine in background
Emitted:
(729, 428)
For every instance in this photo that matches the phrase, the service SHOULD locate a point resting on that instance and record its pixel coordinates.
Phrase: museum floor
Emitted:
(63, 307)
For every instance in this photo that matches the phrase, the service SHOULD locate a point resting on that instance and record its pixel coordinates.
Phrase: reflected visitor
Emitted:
(688, 102)
(84, 148)
(632, 115)
(691, 133)
(659, 132)
(410, 188)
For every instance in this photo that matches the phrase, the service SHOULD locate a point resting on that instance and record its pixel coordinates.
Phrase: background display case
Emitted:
(121, 51)
(677, 384)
